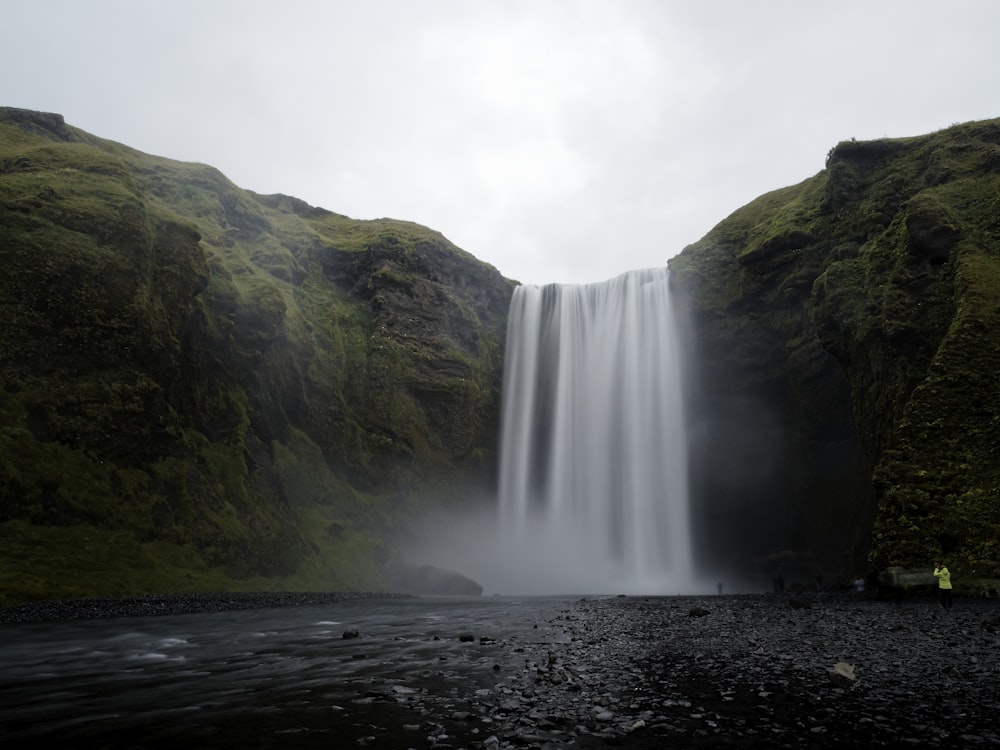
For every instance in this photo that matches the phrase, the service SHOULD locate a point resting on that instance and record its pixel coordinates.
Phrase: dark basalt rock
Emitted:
(430, 580)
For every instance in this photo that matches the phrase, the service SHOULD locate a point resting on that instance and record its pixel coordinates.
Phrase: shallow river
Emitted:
(259, 678)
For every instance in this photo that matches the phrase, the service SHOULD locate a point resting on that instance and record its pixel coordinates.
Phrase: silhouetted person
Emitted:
(943, 576)
(718, 587)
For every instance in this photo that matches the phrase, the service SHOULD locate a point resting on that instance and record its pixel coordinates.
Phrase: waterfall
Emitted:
(593, 464)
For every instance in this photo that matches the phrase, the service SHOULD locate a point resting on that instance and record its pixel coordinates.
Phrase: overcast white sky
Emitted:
(559, 140)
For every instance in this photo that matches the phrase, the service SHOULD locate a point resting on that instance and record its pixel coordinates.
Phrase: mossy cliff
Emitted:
(846, 408)
(205, 388)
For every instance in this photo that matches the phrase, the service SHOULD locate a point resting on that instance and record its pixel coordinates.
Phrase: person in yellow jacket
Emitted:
(943, 576)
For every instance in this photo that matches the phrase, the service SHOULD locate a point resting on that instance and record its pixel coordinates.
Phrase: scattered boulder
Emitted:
(907, 579)
(842, 674)
(429, 580)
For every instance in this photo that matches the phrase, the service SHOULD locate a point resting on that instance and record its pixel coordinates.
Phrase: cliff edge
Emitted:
(846, 408)
(204, 388)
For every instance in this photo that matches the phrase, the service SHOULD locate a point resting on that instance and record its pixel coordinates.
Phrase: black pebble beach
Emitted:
(753, 671)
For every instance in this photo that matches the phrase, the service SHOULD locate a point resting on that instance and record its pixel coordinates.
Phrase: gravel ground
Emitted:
(747, 672)
(684, 672)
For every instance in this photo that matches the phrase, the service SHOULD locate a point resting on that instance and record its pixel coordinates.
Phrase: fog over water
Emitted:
(593, 494)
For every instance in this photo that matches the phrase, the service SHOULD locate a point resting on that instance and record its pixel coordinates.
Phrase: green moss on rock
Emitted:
(179, 355)
(860, 306)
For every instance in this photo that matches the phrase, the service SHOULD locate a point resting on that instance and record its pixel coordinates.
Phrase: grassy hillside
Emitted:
(876, 285)
(205, 388)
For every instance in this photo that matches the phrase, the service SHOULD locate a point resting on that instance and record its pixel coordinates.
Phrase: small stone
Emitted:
(842, 674)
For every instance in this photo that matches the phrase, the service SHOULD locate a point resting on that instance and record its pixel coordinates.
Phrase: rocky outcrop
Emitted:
(431, 580)
(207, 388)
(845, 413)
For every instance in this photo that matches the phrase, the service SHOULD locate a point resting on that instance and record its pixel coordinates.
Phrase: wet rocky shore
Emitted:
(750, 671)
(740, 672)
(762, 671)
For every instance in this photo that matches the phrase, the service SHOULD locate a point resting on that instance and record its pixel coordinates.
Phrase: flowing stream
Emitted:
(268, 678)
(593, 471)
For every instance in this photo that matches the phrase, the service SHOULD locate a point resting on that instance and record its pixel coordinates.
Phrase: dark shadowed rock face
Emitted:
(845, 411)
(433, 581)
(201, 385)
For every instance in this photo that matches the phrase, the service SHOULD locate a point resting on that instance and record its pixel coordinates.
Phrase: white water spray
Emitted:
(593, 469)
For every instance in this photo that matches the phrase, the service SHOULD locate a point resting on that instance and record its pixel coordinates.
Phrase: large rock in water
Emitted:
(846, 335)
(203, 387)
(430, 580)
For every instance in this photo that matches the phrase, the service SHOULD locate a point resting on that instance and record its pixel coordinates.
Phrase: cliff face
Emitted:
(208, 388)
(846, 408)
(205, 388)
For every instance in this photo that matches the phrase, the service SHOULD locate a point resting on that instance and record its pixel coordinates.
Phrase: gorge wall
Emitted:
(845, 414)
(206, 388)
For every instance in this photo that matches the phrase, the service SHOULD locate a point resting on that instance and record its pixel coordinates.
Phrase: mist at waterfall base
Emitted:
(593, 463)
